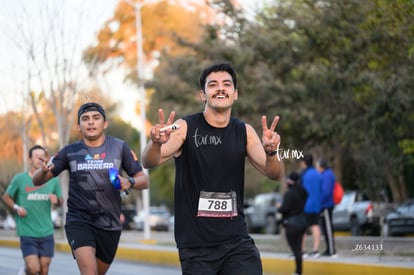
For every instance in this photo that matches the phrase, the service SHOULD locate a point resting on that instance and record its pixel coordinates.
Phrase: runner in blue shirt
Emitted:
(312, 182)
(327, 206)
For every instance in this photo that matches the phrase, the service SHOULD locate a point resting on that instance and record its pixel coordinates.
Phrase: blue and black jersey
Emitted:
(92, 198)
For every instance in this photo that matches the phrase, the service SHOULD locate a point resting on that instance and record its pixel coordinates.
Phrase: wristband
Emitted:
(16, 207)
(131, 181)
(271, 153)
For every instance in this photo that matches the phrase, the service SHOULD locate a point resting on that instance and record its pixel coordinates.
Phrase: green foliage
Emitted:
(162, 185)
(338, 73)
(118, 128)
(407, 146)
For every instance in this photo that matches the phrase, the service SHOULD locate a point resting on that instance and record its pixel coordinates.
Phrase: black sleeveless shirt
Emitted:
(212, 160)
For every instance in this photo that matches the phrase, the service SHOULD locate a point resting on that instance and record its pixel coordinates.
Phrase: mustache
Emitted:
(221, 94)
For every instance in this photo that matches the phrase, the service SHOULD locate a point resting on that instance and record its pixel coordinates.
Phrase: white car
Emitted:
(57, 217)
(159, 219)
(9, 223)
(358, 214)
(262, 216)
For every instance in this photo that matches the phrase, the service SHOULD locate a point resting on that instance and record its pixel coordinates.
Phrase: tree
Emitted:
(337, 73)
(162, 23)
(55, 75)
(11, 149)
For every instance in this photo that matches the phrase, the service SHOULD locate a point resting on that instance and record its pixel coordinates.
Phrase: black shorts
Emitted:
(42, 247)
(239, 258)
(312, 218)
(105, 242)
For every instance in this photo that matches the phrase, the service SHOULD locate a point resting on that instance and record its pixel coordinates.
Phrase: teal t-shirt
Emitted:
(35, 199)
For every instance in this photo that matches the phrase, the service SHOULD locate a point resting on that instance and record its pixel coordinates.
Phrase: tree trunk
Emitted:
(397, 185)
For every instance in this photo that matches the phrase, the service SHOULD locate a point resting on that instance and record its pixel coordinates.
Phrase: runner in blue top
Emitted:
(327, 206)
(312, 182)
(210, 149)
(93, 226)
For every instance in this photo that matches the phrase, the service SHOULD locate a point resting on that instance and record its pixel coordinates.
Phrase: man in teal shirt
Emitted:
(32, 206)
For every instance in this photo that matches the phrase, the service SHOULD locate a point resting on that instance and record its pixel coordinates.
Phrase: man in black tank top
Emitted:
(209, 149)
(93, 226)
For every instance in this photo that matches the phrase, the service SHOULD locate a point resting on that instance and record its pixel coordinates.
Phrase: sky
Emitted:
(20, 22)
(20, 18)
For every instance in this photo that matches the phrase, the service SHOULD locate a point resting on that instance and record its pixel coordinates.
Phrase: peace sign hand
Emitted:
(270, 138)
(47, 163)
(158, 132)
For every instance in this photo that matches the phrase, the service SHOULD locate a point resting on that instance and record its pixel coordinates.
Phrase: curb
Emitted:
(271, 264)
(318, 267)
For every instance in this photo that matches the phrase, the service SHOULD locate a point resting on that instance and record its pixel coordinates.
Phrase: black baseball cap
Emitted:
(91, 106)
(293, 178)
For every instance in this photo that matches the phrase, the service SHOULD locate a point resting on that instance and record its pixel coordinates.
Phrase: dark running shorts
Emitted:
(105, 242)
(42, 247)
(239, 258)
(312, 218)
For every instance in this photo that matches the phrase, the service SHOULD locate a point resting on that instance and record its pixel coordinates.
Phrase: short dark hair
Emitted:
(91, 106)
(220, 66)
(308, 160)
(35, 147)
(293, 178)
(323, 163)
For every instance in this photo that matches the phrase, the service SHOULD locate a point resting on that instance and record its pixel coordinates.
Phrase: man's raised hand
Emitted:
(270, 138)
(160, 133)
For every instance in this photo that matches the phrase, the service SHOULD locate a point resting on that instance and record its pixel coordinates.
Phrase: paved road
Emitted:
(64, 264)
(396, 256)
(396, 247)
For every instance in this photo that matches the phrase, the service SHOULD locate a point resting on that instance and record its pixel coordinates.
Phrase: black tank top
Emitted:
(212, 160)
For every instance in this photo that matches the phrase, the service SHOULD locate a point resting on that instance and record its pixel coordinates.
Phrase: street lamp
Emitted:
(141, 90)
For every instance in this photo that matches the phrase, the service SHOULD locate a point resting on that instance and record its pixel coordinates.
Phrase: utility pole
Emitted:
(141, 90)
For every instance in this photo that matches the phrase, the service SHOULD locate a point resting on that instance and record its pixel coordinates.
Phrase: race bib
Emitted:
(217, 204)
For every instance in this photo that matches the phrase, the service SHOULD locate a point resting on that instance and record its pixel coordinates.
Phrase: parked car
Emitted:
(401, 220)
(57, 217)
(159, 219)
(171, 223)
(9, 223)
(129, 215)
(357, 213)
(262, 215)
